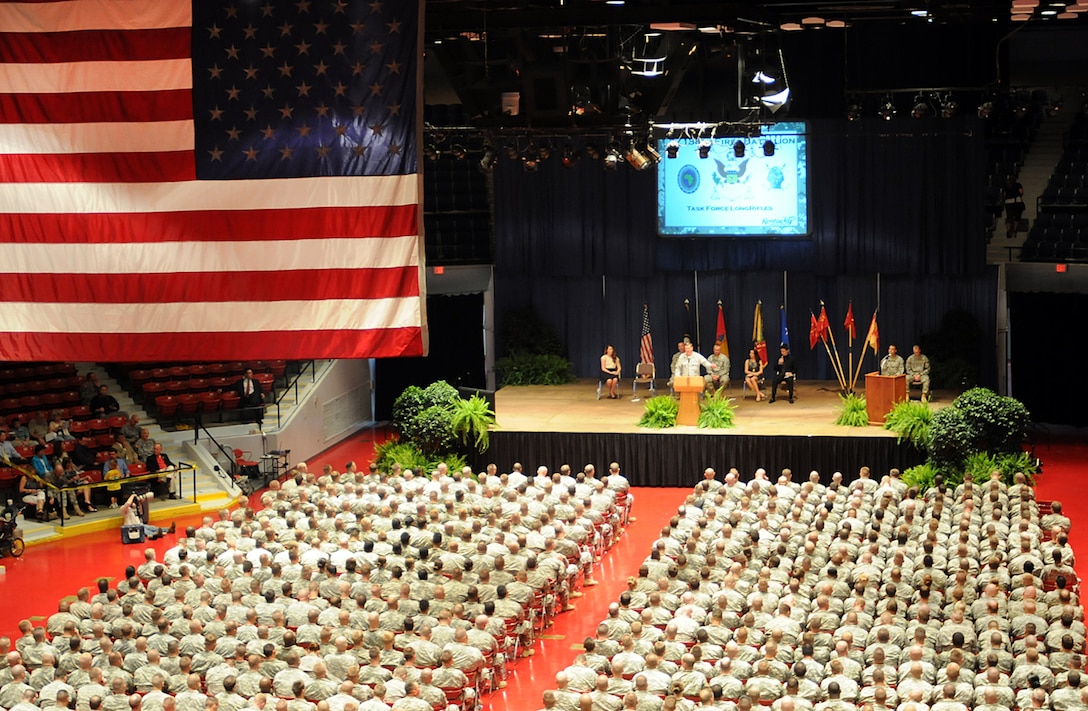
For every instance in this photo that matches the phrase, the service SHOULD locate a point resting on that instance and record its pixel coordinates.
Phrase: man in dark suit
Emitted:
(103, 404)
(158, 462)
(784, 372)
(252, 399)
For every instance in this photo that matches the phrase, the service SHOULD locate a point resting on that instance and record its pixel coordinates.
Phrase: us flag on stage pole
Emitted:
(646, 344)
(222, 179)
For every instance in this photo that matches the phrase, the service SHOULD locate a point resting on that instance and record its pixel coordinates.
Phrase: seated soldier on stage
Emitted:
(917, 369)
(718, 378)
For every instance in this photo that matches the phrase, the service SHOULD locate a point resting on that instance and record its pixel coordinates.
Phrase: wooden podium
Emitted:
(881, 394)
(689, 387)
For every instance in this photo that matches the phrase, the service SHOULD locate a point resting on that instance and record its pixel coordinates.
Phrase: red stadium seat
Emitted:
(116, 422)
(99, 426)
(81, 412)
(137, 468)
(71, 397)
(79, 428)
(188, 403)
(167, 405)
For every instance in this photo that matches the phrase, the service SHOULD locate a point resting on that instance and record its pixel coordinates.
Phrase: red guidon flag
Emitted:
(872, 339)
(217, 179)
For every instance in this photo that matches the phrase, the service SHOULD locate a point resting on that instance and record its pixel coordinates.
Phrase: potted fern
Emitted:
(852, 413)
(471, 420)
(660, 412)
(717, 411)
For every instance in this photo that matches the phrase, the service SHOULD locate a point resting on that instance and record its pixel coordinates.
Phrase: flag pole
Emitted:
(861, 359)
(837, 361)
(850, 352)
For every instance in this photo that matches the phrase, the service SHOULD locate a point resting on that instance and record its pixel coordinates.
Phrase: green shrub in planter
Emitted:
(999, 424)
(407, 455)
(951, 440)
(405, 408)
(534, 369)
(659, 412)
(433, 430)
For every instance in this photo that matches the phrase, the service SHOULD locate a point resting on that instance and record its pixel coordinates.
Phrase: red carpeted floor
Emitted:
(1061, 480)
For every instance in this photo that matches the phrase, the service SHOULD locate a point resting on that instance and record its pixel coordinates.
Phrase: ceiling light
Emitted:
(887, 109)
(812, 21)
(790, 27)
(919, 13)
(704, 148)
(768, 148)
(837, 24)
(487, 160)
(853, 112)
(672, 148)
(1049, 13)
(738, 149)
(762, 77)
(921, 108)
(611, 158)
(458, 151)
(512, 151)
(637, 159)
(530, 163)
(949, 107)
(570, 157)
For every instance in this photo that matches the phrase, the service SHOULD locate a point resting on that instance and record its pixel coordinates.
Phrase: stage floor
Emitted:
(575, 408)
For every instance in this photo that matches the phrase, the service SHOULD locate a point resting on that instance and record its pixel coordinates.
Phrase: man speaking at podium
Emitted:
(892, 364)
(689, 363)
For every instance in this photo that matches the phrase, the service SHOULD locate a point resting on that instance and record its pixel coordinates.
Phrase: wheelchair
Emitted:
(11, 539)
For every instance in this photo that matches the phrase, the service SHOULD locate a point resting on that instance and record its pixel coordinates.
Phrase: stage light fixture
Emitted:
(530, 163)
(768, 148)
(512, 151)
(487, 160)
(949, 107)
(704, 148)
(921, 108)
(853, 112)
(887, 109)
(738, 149)
(570, 157)
(651, 153)
(672, 148)
(636, 158)
(458, 151)
(985, 109)
(593, 152)
(611, 158)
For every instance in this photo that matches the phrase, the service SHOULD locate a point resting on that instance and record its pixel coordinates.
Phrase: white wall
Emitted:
(337, 406)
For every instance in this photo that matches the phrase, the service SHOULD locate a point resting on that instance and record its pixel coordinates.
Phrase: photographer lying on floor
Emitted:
(132, 511)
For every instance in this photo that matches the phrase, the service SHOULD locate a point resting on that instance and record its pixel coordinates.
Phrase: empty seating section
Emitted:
(1060, 232)
(42, 386)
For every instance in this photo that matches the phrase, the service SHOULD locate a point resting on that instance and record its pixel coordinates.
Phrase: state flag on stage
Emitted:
(851, 327)
(813, 331)
(758, 342)
(873, 337)
(719, 332)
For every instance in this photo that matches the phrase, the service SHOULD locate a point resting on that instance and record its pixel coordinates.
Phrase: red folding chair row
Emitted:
(37, 371)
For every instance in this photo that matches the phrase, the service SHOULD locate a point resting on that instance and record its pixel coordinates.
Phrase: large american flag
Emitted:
(646, 343)
(230, 178)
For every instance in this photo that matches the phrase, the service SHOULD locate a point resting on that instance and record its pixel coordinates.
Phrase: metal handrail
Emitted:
(293, 385)
(229, 454)
(180, 468)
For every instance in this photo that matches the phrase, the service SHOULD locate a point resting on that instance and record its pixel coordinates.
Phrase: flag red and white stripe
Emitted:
(646, 343)
(112, 249)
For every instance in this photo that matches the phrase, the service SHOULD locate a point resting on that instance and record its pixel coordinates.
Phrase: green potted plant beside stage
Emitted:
(852, 412)
(717, 411)
(659, 412)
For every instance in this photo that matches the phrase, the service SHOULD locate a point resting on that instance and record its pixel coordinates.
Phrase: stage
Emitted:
(567, 424)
